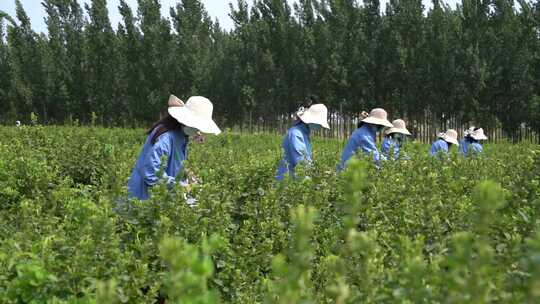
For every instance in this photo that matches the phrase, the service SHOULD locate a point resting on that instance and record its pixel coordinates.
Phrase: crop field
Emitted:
(422, 231)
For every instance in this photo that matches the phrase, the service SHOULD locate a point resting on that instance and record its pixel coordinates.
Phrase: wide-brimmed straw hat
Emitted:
(195, 113)
(398, 127)
(450, 136)
(378, 117)
(316, 114)
(478, 134)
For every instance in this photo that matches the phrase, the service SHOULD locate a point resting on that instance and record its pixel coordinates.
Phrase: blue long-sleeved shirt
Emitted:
(172, 145)
(296, 148)
(362, 140)
(468, 146)
(389, 144)
(439, 146)
(476, 148)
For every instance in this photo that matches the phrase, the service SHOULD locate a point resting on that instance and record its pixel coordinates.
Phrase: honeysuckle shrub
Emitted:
(424, 230)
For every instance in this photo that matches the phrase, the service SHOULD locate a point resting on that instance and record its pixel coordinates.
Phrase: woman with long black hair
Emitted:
(169, 138)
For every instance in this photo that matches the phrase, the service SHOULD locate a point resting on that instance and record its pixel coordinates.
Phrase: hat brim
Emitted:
(398, 130)
(377, 121)
(311, 119)
(450, 140)
(478, 137)
(188, 118)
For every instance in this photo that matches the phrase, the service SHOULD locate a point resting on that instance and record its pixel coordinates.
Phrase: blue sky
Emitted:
(216, 8)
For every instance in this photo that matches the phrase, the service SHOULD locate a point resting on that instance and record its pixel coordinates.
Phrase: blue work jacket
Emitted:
(173, 146)
(389, 144)
(362, 140)
(468, 146)
(439, 146)
(296, 148)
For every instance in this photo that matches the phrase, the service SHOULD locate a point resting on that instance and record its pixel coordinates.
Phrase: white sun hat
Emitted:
(195, 113)
(398, 127)
(478, 134)
(378, 117)
(316, 114)
(450, 136)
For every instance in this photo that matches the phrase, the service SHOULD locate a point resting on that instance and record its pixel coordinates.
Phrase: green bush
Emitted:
(421, 231)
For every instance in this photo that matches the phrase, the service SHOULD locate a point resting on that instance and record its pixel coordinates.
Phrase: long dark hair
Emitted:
(309, 101)
(166, 124)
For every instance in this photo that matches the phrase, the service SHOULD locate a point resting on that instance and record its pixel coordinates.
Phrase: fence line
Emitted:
(424, 128)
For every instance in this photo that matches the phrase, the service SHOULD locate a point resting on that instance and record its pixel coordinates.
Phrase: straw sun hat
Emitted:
(378, 117)
(398, 127)
(316, 114)
(450, 136)
(195, 113)
(478, 134)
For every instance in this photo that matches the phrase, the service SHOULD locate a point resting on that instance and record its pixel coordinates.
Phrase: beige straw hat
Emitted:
(478, 134)
(399, 127)
(316, 114)
(195, 113)
(378, 117)
(450, 136)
